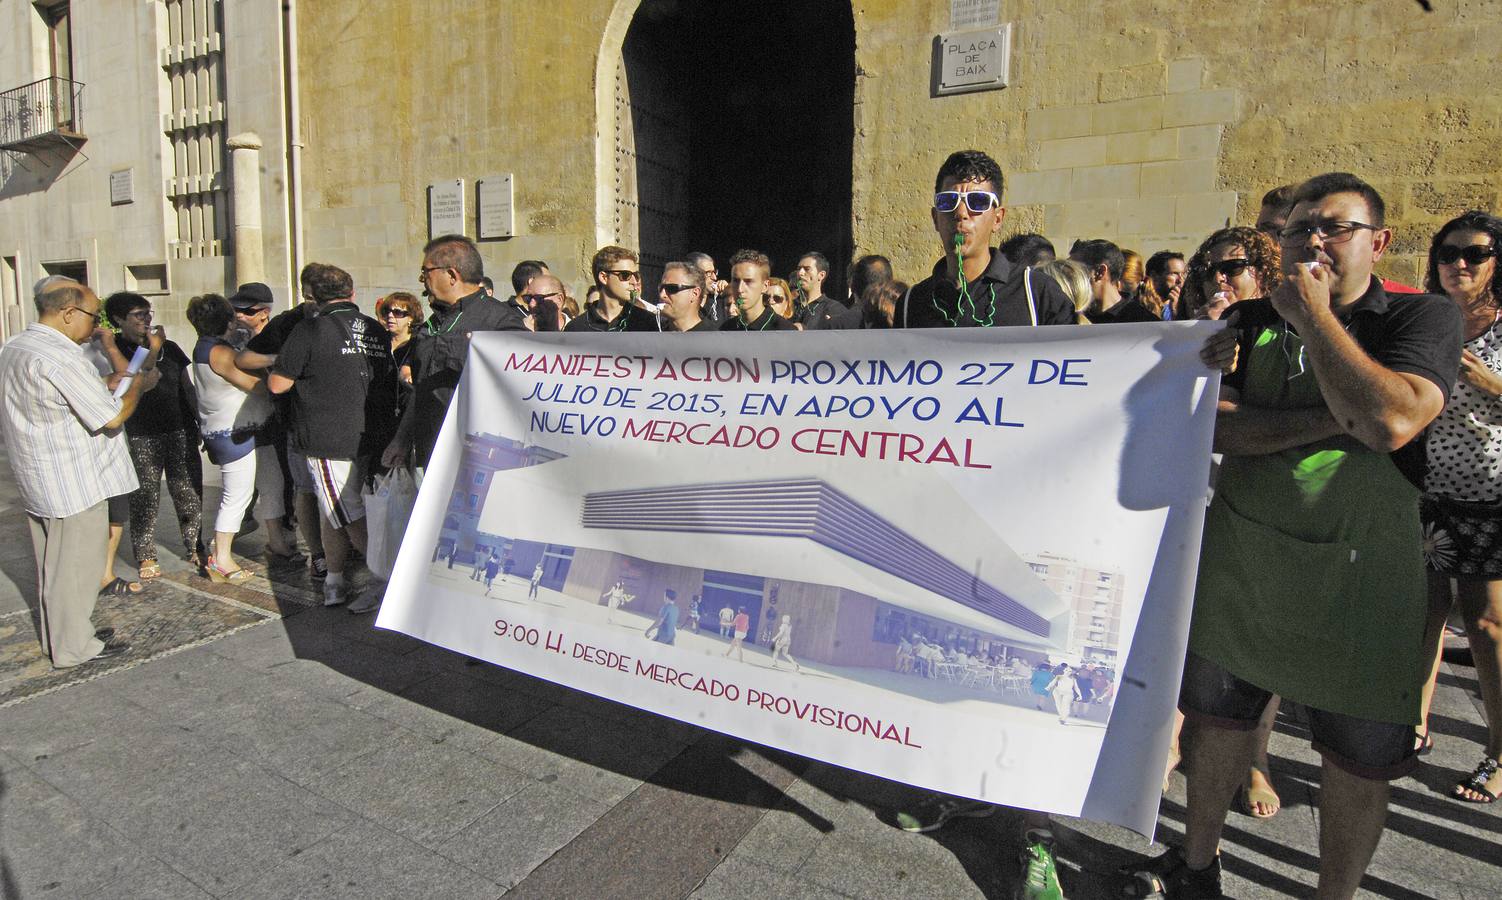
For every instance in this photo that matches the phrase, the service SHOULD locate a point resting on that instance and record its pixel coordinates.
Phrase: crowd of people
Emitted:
(1360, 427)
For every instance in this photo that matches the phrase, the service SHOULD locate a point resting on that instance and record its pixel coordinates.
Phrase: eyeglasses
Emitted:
(624, 274)
(139, 314)
(422, 274)
(1327, 232)
(397, 312)
(672, 289)
(537, 298)
(1230, 268)
(975, 201)
(91, 313)
(1474, 255)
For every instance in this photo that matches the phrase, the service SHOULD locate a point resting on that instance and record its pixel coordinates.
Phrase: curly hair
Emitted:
(1470, 220)
(1260, 250)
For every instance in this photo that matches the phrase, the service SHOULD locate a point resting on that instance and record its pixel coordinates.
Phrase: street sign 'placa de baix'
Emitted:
(446, 208)
(976, 60)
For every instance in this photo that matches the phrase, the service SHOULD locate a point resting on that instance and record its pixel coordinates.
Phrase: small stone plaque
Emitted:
(446, 208)
(973, 60)
(122, 187)
(965, 14)
(497, 216)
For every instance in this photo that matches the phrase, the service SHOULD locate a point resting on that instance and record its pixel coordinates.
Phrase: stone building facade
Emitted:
(785, 125)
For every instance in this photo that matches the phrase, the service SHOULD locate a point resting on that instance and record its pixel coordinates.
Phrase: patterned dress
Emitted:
(1464, 448)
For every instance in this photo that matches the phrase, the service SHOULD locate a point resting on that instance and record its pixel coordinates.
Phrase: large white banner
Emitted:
(962, 559)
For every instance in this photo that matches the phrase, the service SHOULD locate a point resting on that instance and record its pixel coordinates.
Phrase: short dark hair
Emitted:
(607, 256)
(457, 252)
(330, 283)
(121, 304)
(524, 271)
(689, 270)
(1028, 249)
(1280, 197)
(969, 165)
(1157, 264)
(1470, 220)
(821, 262)
(868, 270)
(59, 296)
(698, 256)
(210, 314)
(305, 277)
(1100, 252)
(1322, 186)
(487, 283)
(752, 256)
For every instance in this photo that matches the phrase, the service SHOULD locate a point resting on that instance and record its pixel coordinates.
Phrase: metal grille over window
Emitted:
(193, 61)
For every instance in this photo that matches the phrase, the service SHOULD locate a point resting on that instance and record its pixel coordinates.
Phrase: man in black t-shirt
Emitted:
(750, 271)
(681, 294)
(617, 273)
(1105, 264)
(974, 284)
(820, 311)
(338, 368)
(451, 272)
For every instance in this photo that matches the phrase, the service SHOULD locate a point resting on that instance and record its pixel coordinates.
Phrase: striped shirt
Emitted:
(53, 408)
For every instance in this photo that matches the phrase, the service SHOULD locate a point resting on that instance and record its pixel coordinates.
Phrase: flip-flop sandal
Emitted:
(1248, 797)
(1485, 771)
(121, 588)
(1423, 744)
(149, 570)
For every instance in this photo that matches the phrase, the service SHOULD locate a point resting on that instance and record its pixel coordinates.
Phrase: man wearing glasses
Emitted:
(451, 272)
(67, 448)
(618, 274)
(1311, 582)
(681, 294)
(543, 298)
(974, 284)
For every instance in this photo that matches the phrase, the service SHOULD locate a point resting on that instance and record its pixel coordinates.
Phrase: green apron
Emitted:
(1311, 579)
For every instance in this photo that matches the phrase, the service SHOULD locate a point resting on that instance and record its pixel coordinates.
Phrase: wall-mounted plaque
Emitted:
(446, 208)
(497, 216)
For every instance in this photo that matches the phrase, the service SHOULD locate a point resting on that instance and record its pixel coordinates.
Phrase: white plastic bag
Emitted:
(388, 507)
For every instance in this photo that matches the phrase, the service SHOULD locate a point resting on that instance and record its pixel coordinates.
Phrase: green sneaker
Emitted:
(938, 809)
(1040, 876)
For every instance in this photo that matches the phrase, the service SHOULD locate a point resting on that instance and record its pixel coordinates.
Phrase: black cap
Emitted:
(251, 296)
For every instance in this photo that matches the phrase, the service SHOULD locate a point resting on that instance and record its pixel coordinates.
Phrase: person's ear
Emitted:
(1381, 238)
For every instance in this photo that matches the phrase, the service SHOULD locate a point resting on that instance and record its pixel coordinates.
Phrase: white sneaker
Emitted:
(335, 593)
(370, 600)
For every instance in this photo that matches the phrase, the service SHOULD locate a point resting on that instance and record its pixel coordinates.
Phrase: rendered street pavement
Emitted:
(254, 744)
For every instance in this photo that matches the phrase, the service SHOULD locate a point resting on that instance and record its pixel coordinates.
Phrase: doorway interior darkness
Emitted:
(742, 121)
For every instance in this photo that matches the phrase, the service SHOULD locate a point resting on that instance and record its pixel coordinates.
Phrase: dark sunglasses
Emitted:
(530, 299)
(1231, 267)
(1474, 255)
(673, 289)
(624, 274)
(398, 312)
(975, 201)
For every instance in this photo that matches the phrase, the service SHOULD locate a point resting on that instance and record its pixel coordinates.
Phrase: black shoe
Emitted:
(105, 633)
(112, 648)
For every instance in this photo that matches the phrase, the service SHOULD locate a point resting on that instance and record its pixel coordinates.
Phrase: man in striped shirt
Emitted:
(62, 430)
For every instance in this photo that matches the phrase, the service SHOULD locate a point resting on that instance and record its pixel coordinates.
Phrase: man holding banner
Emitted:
(1311, 583)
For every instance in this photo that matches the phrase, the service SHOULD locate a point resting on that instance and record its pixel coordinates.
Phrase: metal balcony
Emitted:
(40, 116)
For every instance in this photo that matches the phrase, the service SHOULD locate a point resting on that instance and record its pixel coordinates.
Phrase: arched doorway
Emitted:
(731, 125)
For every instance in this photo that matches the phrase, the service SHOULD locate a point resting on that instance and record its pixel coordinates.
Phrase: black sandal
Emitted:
(1169, 876)
(1485, 771)
(121, 588)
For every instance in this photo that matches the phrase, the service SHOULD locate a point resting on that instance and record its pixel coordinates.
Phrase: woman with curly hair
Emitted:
(1232, 265)
(1462, 503)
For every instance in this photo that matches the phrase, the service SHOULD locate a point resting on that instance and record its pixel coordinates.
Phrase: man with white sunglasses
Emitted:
(974, 284)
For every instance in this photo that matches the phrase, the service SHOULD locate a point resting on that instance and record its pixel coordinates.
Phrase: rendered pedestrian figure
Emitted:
(614, 598)
(727, 621)
(478, 571)
(741, 624)
(781, 641)
(664, 630)
(694, 610)
(536, 580)
(491, 565)
(1065, 691)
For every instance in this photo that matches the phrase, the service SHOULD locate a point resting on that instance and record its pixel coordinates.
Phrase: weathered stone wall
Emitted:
(1145, 121)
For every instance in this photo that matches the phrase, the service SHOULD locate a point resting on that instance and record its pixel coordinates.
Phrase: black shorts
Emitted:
(119, 509)
(1380, 751)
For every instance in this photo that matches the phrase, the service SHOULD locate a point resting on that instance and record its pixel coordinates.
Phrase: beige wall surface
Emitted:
(1144, 121)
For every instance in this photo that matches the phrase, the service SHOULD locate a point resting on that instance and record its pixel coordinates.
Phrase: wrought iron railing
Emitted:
(31, 111)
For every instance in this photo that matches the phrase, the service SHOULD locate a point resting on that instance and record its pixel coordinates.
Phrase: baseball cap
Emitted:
(251, 295)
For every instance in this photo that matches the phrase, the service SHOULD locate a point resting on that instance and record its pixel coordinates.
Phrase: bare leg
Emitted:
(336, 545)
(117, 530)
(1261, 798)
(1352, 813)
(1440, 601)
(1175, 755)
(223, 561)
(308, 522)
(1218, 760)
(277, 539)
(1481, 604)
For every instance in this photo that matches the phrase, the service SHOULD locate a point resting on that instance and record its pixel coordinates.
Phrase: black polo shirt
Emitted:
(269, 341)
(344, 383)
(439, 347)
(705, 325)
(826, 312)
(767, 321)
(999, 298)
(632, 318)
(1417, 334)
(1128, 309)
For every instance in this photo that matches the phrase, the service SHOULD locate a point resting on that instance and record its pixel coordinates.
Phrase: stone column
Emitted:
(245, 207)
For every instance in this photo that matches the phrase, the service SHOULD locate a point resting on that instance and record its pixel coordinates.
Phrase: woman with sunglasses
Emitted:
(400, 312)
(1462, 504)
(780, 298)
(1232, 265)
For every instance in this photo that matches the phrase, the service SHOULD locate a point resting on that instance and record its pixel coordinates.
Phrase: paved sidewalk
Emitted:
(303, 753)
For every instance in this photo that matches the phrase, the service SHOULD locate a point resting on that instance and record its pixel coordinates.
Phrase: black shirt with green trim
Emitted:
(997, 297)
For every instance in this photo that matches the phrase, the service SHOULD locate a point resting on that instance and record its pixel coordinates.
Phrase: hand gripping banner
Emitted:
(961, 559)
